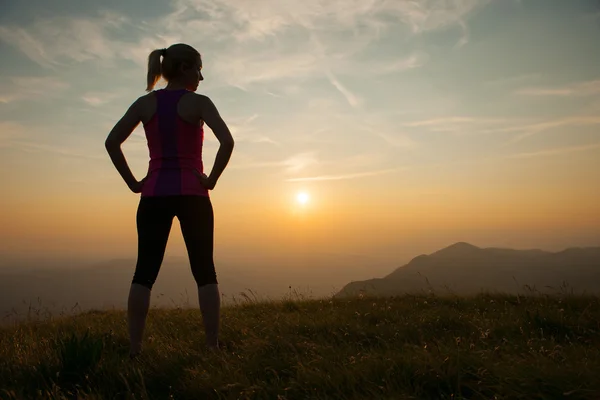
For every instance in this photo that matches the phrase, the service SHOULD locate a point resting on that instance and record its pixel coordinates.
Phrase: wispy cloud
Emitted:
(252, 20)
(293, 164)
(434, 122)
(457, 124)
(556, 151)
(521, 127)
(32, 147)
(399, 65)
(528, 130)
(262, 57)
(587, 88)
(26, 138)
(351, 98)
(55, 42)
(96, 99)
(300, 161)
(241, 69)
(344, 176)
(18, 88)
(397, 139)
(306, 161)
(244, 131)
(47, 41)
(465, 34)
(514, 80)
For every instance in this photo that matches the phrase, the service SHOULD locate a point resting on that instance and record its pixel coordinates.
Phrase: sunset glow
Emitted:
(302, 198)
(385, 128)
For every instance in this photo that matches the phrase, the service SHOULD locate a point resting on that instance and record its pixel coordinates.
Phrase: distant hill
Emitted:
(466, 269)
(65, 286)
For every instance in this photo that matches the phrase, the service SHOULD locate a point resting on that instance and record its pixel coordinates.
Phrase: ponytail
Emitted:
(167, 68)
(154, 68)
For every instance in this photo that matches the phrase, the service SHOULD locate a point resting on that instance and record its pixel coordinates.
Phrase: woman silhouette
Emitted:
(175, 185)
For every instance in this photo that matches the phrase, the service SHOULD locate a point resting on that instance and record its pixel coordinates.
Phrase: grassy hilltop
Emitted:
(490, 346)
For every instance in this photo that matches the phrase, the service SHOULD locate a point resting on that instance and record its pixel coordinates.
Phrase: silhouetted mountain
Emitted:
(466, 269)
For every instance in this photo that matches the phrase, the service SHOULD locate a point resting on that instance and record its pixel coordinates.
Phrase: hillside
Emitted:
(466, 269)
(425, 347)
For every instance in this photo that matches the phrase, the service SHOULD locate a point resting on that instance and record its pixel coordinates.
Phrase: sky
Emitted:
(410, 125)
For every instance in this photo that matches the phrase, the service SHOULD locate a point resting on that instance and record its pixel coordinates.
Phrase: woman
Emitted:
(175, 185)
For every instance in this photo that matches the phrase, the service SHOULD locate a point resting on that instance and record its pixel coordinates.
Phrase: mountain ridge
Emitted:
(466, 269)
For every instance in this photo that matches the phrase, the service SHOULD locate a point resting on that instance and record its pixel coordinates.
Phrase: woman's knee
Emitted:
(148, 283)
(205, 276)
(145, 276)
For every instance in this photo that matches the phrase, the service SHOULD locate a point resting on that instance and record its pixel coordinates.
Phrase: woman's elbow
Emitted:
(228, 143)
(111, 145)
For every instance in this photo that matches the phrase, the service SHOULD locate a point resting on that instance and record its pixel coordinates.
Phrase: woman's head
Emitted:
(180, 63)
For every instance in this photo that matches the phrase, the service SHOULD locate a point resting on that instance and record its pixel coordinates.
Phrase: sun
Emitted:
(302, 198)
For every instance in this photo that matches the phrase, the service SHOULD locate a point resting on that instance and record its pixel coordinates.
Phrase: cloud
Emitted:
(250, 42)
(19, 88)
(465, 34)
(482, 125)
(389, 132)
(457, 124)
(49, 42)
(522, 128)
(528, 130)
(305, 160)
(357, 161)
(351, 98)
(243, 131)
(27, 43)
(581, 89)
(235, 164)
(254, 138)
(343, 176)
(432, 15)
(413, 61)
(241, 69)
(292, 164)
(435, 122)
(343, 32)
(16, 135)
(55, 42)
(262, 18)
(96, 99)
(32, 147)
(514, 80)
(556, 151)
(397, 140)
(300, 161)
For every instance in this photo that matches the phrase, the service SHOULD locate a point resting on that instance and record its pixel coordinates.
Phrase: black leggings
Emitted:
(154, 220)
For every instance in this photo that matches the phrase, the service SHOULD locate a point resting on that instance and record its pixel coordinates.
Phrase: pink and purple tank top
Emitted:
(175, 148)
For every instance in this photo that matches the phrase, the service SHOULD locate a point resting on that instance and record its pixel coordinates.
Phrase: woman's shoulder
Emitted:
(197, 100)
(145, 99)
(145, 106)
(197, 96)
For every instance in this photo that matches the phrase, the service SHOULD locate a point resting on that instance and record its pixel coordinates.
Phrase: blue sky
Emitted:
(414, 93)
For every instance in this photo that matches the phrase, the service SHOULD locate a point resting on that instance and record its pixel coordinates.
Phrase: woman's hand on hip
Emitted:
(138, 186)
(205, 181)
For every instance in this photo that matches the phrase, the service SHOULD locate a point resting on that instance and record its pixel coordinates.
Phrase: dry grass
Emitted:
(489, 346)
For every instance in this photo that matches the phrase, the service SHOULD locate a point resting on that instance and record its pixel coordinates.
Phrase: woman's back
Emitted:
(174, 131)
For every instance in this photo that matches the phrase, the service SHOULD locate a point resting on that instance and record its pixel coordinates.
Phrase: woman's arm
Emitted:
(121, 131)
(213, 119)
